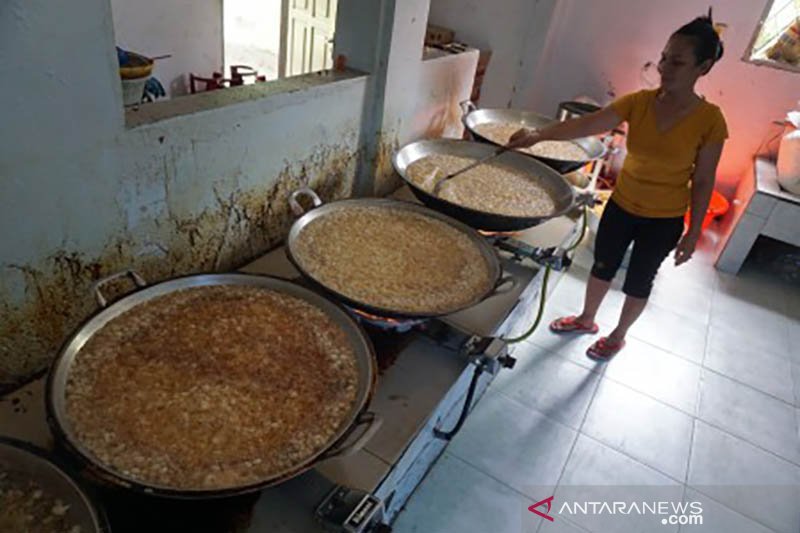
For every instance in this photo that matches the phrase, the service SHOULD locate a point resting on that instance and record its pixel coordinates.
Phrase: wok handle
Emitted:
(137, 278)
(467, 107)
(510, 282)
(298, 209)
(372, 421)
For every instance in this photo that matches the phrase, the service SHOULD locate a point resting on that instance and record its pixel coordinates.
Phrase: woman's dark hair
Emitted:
(707, 44)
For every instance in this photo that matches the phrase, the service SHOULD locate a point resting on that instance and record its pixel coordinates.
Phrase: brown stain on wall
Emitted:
(446, 120)
(386, 179)
(241, 226)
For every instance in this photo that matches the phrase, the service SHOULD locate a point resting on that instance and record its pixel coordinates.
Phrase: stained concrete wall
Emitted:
(82, 196)
(195, 184)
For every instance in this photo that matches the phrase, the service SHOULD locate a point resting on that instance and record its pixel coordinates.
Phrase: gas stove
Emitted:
(431, 374)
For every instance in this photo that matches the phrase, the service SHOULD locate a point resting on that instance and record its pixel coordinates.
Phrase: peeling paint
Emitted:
(241, 226)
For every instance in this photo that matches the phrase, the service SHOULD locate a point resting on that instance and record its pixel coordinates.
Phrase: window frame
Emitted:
(748, 53)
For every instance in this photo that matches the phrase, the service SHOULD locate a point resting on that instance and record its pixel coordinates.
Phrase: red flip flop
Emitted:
(570, 324)
(604, 349)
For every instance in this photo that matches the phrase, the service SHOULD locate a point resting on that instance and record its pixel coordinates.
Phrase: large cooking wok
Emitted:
(23, 463)
(473, 117)
(338, 445)
(560, 190)
(497, 285)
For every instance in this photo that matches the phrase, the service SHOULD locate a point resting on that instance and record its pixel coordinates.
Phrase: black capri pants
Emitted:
(653, 239)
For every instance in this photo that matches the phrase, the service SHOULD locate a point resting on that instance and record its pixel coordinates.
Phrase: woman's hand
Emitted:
(686, 248)
(523, 138)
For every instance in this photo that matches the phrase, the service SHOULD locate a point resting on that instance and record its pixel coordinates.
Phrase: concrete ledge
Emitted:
(206, 101)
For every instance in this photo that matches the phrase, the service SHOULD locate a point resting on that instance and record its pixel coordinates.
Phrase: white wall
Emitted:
(444, 83)
(252, 34)
(190, 30)
(599, 49)
(506, 27)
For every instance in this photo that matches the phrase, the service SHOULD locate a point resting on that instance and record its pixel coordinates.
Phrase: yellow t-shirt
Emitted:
(655, 177)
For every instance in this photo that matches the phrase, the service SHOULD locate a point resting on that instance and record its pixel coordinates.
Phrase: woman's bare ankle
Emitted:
(616, 336)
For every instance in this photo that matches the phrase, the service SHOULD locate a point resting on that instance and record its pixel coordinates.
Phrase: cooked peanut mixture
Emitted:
(27, 508)
(491, 187)
(212, 387)
(500, 133)
(393, 259)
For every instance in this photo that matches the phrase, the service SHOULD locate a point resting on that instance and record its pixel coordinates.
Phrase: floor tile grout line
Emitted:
(694, 416)
(638, 339)
(489, 475)
(747, 385)
(751, 443)
(603, 374)
(698, 393)
(593, 369)
(769, 353)
(647, 395)
(639, 462)
(703, 366)
(683, 500)
(707, 336)
(578, 433)
(729, 508)
(634, 459)
(652, 467)
(676, 354)
(684, 484)
(539, 412)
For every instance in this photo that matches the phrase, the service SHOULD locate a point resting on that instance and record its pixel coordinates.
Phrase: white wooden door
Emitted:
(309, 27)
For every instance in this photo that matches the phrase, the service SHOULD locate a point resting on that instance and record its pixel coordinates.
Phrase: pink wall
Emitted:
(598, 49)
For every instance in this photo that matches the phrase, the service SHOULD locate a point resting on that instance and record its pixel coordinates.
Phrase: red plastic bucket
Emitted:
(717, 207)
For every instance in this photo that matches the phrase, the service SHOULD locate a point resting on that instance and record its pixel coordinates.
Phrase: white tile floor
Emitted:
(703, 405)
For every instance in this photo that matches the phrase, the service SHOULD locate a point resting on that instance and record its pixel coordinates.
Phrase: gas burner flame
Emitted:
(499, 234)
(376, 318)
(387, 323)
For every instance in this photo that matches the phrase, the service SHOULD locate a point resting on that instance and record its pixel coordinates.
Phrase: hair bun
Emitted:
(706, 35)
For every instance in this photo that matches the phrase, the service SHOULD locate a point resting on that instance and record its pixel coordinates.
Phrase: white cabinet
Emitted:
(761, 207)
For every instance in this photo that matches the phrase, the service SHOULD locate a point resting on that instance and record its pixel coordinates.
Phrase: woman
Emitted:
(674, 142)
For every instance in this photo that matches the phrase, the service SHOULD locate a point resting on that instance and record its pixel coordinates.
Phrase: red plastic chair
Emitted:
(215, 82)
